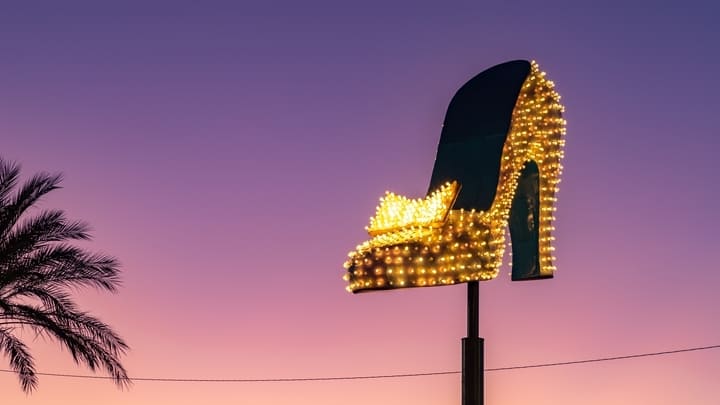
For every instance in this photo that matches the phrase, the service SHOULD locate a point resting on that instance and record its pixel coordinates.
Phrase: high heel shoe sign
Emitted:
(497, 166)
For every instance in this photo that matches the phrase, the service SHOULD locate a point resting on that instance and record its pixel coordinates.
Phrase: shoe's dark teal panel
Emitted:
(474, 132)
(524, 224)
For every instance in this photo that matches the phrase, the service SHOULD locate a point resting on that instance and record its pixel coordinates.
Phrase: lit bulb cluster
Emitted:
(416, 243)
(399, 212)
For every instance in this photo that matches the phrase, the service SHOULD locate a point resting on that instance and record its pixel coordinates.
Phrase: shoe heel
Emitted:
(524, 224)
(537, 143)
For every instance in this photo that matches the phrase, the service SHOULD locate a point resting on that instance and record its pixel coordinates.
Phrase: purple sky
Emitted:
(230, 154)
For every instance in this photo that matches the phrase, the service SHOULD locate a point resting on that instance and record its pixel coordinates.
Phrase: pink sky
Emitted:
(230, 154)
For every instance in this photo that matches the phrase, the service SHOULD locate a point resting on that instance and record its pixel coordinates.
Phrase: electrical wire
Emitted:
(379, 376)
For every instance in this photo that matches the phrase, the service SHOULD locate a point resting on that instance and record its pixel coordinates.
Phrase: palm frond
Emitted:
(79, 337)
(9, 174)
(61, 265)
(58, 306)
(20, 359)
(28, 194)
(36, 232)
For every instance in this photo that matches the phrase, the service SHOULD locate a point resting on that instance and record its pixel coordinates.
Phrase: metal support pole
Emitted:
(472, 353)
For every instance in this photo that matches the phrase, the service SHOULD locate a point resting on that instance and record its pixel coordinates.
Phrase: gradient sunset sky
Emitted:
(230, 154)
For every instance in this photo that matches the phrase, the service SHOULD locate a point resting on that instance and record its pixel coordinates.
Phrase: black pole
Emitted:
(472, 353)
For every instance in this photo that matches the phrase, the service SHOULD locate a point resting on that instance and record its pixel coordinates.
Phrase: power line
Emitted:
(629, 356)
(381, 376)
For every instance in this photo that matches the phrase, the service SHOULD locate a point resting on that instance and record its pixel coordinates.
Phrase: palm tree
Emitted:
(38, 270)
